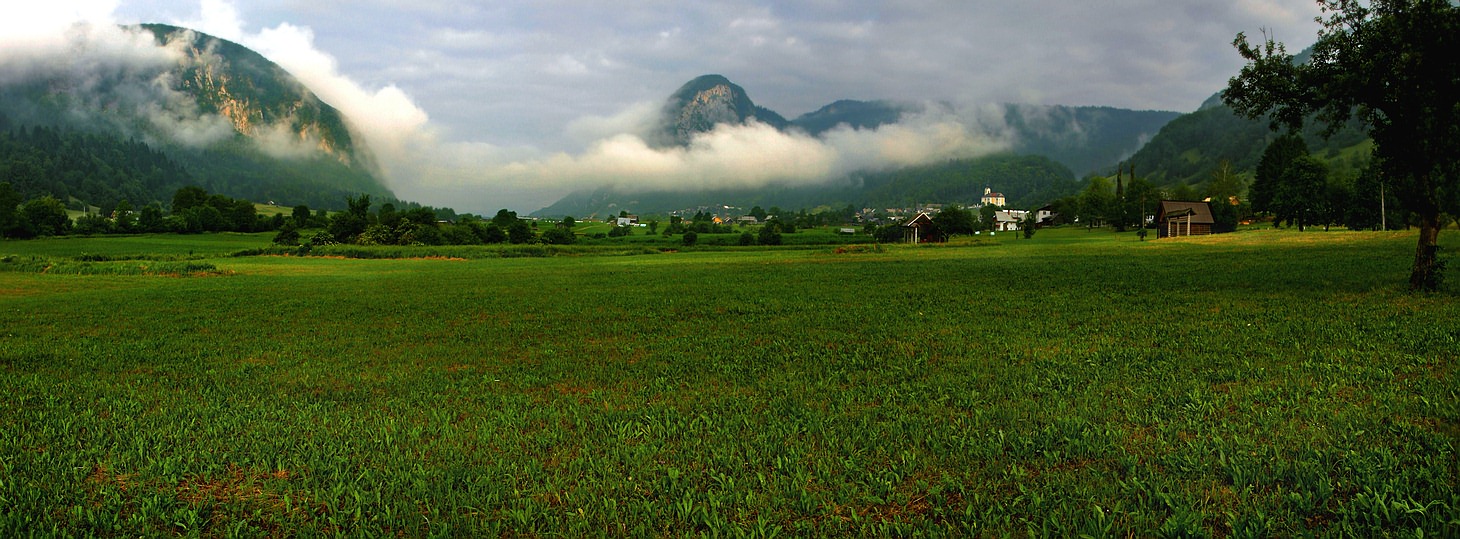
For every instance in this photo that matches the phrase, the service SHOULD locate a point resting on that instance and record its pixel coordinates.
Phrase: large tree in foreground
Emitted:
(1393, 63)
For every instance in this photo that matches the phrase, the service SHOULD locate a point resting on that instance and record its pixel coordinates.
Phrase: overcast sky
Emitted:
(515, 103)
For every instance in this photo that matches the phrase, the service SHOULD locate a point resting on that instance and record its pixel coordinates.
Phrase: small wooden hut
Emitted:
(1181, 218)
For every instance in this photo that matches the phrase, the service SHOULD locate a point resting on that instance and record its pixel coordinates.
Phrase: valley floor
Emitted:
(1258, 383)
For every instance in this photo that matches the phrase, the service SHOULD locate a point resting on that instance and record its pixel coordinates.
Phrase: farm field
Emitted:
(1078, 383)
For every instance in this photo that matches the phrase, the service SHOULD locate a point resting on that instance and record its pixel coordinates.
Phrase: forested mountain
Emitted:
(89, 167)
(854, 114)
(1188, 149)
(218, 114)
(1026, 181)
(1049, 146)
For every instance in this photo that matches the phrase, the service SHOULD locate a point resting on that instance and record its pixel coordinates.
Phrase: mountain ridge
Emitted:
(1080, 139)
(240, 124)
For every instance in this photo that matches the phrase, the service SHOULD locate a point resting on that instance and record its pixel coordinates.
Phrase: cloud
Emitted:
(110, 73)
(747, 156)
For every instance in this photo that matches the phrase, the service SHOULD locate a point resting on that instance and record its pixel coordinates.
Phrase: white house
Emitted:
(1008, 220)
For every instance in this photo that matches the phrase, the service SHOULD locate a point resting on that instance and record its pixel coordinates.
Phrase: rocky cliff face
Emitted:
(256, 96)
(705, 102)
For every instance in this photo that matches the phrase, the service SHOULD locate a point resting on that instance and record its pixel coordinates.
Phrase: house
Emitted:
(990, 198)
(747, 220)
(1045, 215)
(919, 229)
(1181, 218)
(631, 220)
(1008, 220)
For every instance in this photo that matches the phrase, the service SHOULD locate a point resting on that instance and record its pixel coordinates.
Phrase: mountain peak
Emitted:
(705, 102)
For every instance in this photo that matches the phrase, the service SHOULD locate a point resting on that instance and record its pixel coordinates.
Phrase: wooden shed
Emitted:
(919, 229)
(1181, 218)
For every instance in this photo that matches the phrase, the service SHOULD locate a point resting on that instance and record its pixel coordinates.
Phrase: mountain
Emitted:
(703, 103)
(1085, 139)
(854, 114)
(1049, 145)
(1188, 149)
(235, 122)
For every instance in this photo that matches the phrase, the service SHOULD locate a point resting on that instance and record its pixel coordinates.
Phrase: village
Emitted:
(1171, 218)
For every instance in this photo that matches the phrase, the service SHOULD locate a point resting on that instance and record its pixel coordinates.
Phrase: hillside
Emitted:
(236, 123)
(1189, 148)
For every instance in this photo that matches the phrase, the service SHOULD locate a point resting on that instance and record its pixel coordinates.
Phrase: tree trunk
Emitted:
(1425, 276)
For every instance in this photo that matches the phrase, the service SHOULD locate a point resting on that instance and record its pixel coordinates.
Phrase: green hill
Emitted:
(227, 118)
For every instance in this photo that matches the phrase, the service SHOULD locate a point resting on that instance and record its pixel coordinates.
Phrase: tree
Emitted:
(289, 235)
(1272, 188)
(1303, 191)
(1391, 63)
(568, 222)
(347, 226)
(493, 234)
(758, 213)
(518, 232)
(126, 219)
(954, 220)
(1029, 224)
(1141, 200)
(151, 219)
(1225, 192)
(504, 218)
(690, 238)
(188, 197)
(986, 217)
(770, 234)
(45, 216)
(9, 210)
(1096, 202)
(301, 216)
(559, 235)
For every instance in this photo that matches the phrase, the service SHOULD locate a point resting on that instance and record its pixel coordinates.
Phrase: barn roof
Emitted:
(1201, 212)
(921, 219)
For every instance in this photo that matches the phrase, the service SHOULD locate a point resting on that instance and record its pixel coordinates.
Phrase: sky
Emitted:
(483, 105)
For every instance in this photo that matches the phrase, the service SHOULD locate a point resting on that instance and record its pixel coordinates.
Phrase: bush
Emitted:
(287, 235)
(690, 238)
(559, 236)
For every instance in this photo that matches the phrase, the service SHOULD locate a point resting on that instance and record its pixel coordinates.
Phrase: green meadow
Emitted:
(1080, 383)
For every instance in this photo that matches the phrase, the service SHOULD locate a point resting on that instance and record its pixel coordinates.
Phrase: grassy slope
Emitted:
(1264, 381)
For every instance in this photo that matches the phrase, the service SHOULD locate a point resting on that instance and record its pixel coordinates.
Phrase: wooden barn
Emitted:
(919, 229)
(1180, 218)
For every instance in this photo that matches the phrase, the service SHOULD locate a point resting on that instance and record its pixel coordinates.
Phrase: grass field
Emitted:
(1079, 383)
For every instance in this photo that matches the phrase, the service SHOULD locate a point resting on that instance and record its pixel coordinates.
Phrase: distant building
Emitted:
(991, 198)
(1180, 218)
(1008, 220)
(1045, 215)
(919, 229)
(631, 220)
